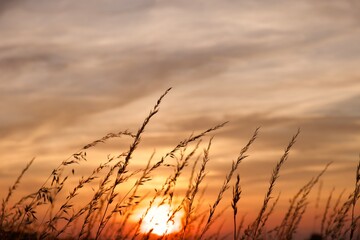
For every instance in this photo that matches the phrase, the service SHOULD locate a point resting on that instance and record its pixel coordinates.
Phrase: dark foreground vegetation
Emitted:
(52, 212)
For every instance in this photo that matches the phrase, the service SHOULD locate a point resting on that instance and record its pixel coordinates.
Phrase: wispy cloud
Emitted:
(73, 70)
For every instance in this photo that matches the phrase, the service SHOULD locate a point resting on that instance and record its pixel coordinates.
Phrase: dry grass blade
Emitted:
(254, 231)
(134, 197)
(228, 177)
(193, 189)
(317, 202)
(10, 192)
(48, 194)
(331, 218)
(301, 204)
(356, 196)
(327, 207)
(182, 144)
(235, 199)
(185, 142)
(123, 167)
(271, 210)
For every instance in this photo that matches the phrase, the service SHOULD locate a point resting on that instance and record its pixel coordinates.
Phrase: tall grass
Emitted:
(119, 192)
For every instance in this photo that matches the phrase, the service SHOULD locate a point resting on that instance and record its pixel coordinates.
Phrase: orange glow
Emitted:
(157, 221)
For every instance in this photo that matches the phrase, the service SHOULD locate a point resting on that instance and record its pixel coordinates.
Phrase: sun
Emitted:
(157, 221)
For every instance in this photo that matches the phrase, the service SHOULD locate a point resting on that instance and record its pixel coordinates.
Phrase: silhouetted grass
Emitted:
(50, 213)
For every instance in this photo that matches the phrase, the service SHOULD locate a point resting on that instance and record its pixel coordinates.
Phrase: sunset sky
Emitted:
(72, 71)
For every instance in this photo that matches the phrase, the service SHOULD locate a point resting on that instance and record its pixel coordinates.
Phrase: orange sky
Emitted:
(72, 71)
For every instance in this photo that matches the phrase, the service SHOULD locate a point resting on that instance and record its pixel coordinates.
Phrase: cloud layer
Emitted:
(71, 71)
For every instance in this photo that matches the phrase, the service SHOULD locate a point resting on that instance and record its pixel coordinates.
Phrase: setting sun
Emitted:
(157, 221)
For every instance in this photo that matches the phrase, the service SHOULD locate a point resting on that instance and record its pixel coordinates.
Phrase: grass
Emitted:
(119, 191)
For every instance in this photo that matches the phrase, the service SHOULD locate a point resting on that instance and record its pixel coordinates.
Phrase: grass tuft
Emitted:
(115, 199)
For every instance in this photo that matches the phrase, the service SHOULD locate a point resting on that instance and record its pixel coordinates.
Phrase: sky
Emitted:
(72, 71)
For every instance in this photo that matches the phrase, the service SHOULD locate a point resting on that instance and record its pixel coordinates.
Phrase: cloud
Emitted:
(322, 140)
(71, 70)
(346, 107)
(6, 5)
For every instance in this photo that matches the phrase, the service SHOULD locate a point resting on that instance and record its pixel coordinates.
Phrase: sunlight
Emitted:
(157, 221)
